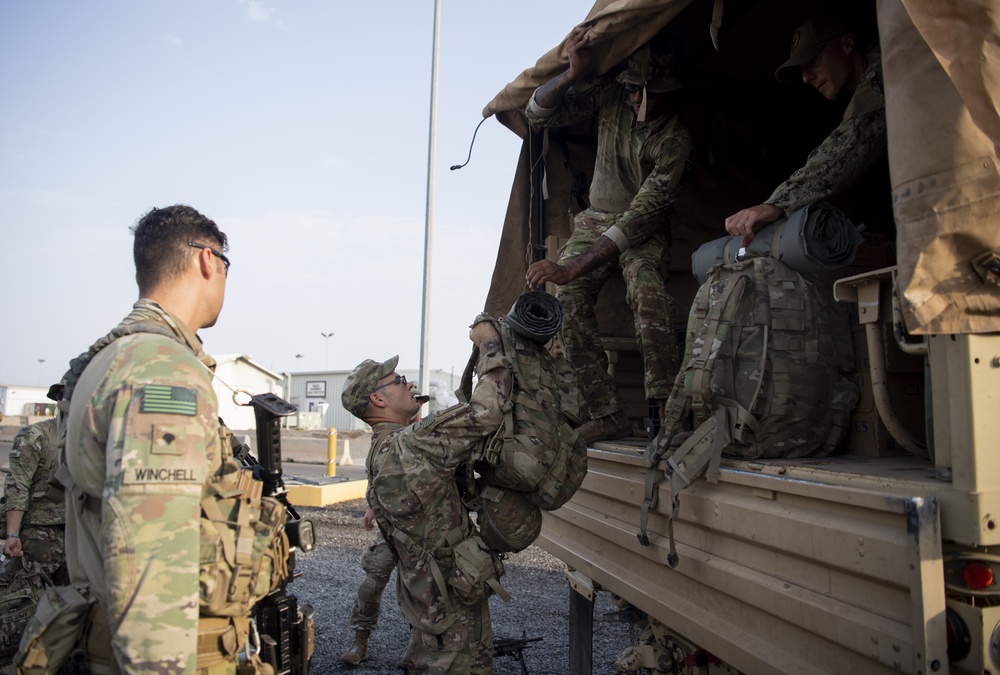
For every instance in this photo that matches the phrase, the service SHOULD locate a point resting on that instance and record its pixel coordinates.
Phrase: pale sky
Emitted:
(301, 128)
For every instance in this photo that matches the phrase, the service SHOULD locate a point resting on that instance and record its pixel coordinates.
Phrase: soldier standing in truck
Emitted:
(643, 152)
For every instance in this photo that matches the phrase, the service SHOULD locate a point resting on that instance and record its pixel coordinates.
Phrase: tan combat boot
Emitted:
(358, 651)
(607, 427)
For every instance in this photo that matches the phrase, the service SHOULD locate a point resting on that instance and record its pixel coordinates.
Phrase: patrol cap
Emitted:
(56, 391)
(807, 41)
(360, 383)
(656, 67)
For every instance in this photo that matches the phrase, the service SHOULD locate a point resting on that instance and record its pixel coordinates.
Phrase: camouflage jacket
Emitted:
(412, 491)
(32, 460)
(143, 438)
(639, 167)
(850, 149)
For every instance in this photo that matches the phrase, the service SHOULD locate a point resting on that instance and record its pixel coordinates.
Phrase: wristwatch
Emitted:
(13, 536)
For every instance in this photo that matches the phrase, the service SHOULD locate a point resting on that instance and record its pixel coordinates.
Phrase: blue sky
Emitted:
(300, 127)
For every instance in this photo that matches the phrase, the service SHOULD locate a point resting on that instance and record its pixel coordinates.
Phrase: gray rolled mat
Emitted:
(817, 238)
(536, 315)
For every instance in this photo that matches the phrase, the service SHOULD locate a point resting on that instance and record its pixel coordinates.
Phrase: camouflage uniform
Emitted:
(637, 178)
(41, 532)
(418, 508)
(850, 149)
(377, 562)
(26, 488)
(143, 440)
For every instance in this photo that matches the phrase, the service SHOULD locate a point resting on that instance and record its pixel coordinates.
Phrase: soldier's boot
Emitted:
(607, 427)
(358, 651)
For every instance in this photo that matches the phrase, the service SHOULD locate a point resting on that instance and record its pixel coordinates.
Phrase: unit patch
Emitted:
(158, 398)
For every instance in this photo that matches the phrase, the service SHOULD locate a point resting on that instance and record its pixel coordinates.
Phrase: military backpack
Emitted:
(762, 377)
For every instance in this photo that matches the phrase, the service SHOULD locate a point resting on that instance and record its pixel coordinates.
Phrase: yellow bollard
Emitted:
(331, 453)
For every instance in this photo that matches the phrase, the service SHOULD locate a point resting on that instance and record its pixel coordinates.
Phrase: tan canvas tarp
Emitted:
(618, 28)
(942, 70)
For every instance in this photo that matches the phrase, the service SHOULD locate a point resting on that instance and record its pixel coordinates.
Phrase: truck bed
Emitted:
(786, 566)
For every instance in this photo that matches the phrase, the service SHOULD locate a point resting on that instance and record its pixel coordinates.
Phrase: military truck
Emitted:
(880, 557)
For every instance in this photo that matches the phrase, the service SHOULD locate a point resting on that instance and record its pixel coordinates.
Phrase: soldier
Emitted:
(35, 517)
(145, 454)
(643, 152)
(377, 562)
(834, 60)
(444, 571)
(35, 513)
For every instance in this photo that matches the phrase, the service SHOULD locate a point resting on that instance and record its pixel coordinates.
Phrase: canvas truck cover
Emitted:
(941, 64)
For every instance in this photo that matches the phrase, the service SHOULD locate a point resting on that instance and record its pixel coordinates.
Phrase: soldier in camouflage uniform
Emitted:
(643, 152)
(35, 517)
(377, 563)
(35, 512)
(418, 507)
(143, 447)
(831, 58)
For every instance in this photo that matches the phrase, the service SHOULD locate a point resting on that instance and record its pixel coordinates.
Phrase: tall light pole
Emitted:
(326, 363)
(428, 220)
(40, 362)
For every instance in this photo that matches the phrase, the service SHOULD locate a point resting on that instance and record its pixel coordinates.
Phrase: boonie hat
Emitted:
(360, 383)
(807, 41)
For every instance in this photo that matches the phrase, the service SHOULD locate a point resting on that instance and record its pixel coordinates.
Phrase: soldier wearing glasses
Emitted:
(643, 151)
(145, 453)
(419, 510)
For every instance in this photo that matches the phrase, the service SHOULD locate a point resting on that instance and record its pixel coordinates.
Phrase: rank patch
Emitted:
(157, 398)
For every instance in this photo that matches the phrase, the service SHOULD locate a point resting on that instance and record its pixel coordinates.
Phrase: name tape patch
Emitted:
(158, 398)
(162, 475)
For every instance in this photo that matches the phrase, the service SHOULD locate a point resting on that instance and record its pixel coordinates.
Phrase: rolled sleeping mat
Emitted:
(535, 315)
(817, 238)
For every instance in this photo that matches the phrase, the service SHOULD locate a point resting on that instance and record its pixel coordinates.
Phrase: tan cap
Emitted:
(362, 381)
(807, 41)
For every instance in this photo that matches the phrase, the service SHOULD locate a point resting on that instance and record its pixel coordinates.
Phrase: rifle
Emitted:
(286, 629)
(514, 647)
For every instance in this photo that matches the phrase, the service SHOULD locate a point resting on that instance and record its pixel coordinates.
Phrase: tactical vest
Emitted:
(762, 377)
(243, 555)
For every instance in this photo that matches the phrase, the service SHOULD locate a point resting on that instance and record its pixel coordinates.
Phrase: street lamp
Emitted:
(40, 362)
(326, 363)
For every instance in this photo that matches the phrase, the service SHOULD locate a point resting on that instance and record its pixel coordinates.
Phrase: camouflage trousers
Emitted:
(466, 648)
(43, 544)
(377, 562)
(643, 269)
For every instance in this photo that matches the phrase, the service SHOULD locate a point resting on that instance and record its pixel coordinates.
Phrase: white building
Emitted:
(319, 392)
(25, 402)
(241, 372)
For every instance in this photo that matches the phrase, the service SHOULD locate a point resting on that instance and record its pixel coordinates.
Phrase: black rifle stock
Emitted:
(286, 628)
(514, 647)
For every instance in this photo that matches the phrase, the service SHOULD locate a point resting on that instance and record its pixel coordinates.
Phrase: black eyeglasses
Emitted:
(632, 88)
(399, 379)
(217, 254)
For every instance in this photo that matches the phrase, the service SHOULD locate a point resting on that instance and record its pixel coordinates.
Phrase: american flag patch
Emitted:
(157, 398)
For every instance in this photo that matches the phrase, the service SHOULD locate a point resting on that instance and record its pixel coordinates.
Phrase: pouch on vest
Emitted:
(54, 631)
(475, 573)
(761, 377)
(243, 547)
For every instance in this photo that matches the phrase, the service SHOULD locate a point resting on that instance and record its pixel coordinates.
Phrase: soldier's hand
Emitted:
(748, 222)
(578, 51)
(368, 521)
(482, 332)
(12, 548)
(545, 270)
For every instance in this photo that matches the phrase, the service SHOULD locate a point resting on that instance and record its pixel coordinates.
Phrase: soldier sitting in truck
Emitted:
(831, 56)
(643, 152)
